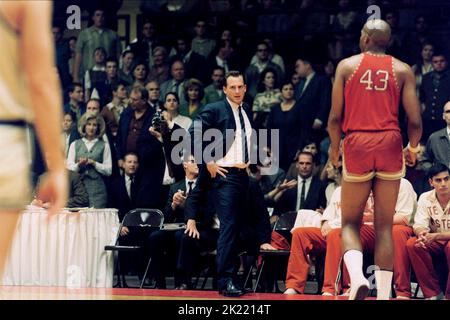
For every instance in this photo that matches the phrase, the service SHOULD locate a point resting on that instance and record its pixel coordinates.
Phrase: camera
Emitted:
(157, 120)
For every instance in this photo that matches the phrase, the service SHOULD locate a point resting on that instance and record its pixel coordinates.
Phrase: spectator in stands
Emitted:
(91, 157)
(214, 92)
(104, 89)
(193, 95)
(313, 95)
(67, 126)
(160, 68)
(153, 95)
(177, 83)
(125, 73)
(295, 79)
(310, 18)
(285, 117)
(92, 38)
(112, 111)
(415, 39)
(310, 191)
(268, 96)
(97, 74)
(222, 56)
(62, 55)
(143, 46)
(194, 63)
(438, 146)
(123, 188)
(395, 48)
(171, 105)
(72, 45)
(432, 230)
(133, 136)
(201, 44)
(273, 57)
(424, 65)
(434, 93)
(140, 72)
(253, 71)
(330, 69)
(76, 104)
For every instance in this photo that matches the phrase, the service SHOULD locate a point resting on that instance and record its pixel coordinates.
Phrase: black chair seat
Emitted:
(122, 248)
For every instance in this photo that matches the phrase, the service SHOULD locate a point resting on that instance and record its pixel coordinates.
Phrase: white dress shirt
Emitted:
(104, 168)
(299, 189)
(235, 155)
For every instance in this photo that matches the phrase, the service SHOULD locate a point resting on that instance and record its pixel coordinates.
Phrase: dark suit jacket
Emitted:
(313, 200)
(438, 147)
(151, 158)
(176, 215)
(314, 103)
(119, 198)
(217, 115)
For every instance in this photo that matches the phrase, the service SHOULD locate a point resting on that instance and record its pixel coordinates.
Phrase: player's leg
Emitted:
(354, 198)
(385, 194)
(7, 228)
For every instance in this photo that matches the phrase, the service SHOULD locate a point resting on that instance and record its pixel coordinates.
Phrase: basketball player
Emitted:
(29, 93)
(372, 84)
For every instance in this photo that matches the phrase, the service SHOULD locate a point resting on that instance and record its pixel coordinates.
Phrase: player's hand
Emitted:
(410, 157)
(333, 155)
(179, 198)
(215, 169)
(421, 237)
(54, 189)
(191, 229)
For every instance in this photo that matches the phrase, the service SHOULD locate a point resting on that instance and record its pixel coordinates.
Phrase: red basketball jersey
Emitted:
(372, 96)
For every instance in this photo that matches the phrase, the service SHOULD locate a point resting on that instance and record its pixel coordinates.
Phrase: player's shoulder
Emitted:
(401, 66)
(348, 65)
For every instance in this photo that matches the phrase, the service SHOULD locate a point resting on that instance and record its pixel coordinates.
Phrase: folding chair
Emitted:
(151, 219)
(285, 223)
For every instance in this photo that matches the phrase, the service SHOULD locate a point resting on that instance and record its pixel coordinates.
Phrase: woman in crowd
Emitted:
(140, 72)
(284, 116)
(91, 158)
(424, 65)
(194, 94)
(160, 71)
(267, 97)
(171, 104)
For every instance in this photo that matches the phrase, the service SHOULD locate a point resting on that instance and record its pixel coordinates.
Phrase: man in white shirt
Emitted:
(432, 229)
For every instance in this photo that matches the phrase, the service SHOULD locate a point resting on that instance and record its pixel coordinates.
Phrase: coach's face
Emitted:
(235, 89)
(305, 166)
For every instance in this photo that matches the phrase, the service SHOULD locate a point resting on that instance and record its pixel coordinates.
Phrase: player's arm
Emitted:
(37, 59)
(411, 106)
(335, 117)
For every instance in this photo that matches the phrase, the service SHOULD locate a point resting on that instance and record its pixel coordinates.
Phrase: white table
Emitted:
(66, 250)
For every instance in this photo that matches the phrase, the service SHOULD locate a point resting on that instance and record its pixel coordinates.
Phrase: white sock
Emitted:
(354, 262)
(383, 279)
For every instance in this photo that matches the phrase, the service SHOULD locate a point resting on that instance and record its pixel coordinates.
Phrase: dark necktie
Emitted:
(302, 194)
(132, 188)
(190, 183)
(244, 135)
(301, 86)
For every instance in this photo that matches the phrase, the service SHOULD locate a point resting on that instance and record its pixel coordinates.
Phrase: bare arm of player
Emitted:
(335, 118)
(37, 58)
(412, 109)
(76, 67)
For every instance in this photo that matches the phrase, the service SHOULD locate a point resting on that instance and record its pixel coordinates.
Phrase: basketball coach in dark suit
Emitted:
(226, 170)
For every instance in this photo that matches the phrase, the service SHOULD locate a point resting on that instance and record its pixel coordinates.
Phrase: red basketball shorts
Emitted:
(373, 154)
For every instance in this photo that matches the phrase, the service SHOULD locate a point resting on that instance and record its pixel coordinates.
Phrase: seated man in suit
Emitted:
(310, 191)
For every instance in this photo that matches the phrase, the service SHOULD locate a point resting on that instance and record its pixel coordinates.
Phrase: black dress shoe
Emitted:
(231, 290)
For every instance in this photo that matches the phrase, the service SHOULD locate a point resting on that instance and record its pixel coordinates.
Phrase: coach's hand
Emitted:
(191, 229)
(215, 169)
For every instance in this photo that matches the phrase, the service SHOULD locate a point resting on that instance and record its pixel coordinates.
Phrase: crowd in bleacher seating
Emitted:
(177, 64)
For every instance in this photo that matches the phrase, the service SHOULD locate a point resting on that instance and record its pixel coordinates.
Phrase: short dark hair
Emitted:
(142, 91)
(438, 54)
(234, 74)
(173, 94)
(102, 50)
(130, 153)
(305, 153)
(112, 59)
(116, 85)
(73, 85)
(437, 168)
(126, 52)
(95, 100)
